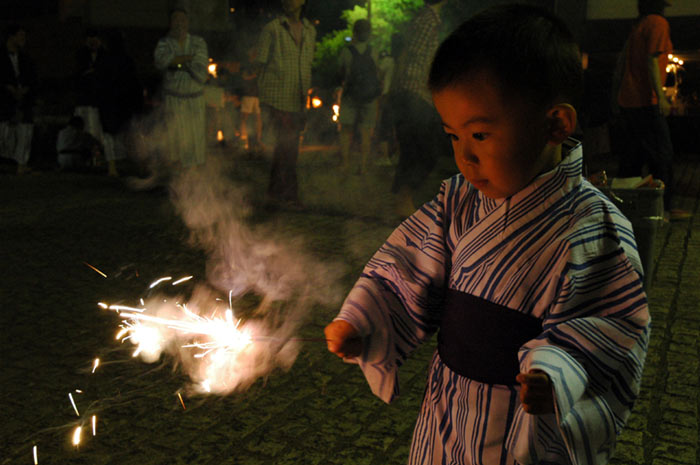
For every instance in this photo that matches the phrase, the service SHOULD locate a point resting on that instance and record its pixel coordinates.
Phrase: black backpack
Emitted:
(362, 84)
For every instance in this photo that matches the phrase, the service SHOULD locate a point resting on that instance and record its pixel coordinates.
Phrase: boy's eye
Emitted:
(479, 135)
(451, 136)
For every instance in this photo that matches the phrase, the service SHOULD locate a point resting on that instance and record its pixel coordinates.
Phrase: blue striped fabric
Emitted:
(558, 250)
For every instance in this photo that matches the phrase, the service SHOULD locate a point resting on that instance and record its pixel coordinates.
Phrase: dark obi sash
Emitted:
(479, 339)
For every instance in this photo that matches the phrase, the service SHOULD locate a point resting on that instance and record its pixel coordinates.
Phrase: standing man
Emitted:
(17, 89)
(643, 104)
(183, 58)
(285, 53)
(417, 124)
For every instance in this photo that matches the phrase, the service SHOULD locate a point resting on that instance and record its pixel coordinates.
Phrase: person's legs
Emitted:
(23, 145)
(283, 174)
(420, 140)
(345, 142)
(244, 129)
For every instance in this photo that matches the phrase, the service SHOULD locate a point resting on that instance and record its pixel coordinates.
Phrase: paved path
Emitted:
(318, 412)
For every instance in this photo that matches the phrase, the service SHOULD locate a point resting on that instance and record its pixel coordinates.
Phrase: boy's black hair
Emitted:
(527, 49)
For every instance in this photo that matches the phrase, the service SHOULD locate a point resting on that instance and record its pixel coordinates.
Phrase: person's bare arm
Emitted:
(657, 85)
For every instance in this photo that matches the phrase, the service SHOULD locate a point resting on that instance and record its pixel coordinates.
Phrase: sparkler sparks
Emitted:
(94, 425)
(76, 435)
(158, 281)
(95, 364)
(70, 396)
(90, 266)
(181, 401)
(35, 453)
(182, 280)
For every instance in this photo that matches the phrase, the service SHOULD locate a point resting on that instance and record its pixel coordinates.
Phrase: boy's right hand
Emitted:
(342, 339)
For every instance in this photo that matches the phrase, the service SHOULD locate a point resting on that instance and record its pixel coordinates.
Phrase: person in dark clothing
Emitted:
(17, 92)
(119, 98)
(88, 59)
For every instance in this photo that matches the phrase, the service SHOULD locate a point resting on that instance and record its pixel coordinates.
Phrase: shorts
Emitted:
(358, 114)
(250, 104)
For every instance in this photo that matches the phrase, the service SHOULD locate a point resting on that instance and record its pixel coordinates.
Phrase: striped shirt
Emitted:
(558, 250)
(286, 65)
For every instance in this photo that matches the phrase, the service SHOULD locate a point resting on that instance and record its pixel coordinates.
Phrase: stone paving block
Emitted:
(628, 452)
(679, 404)
(668, 454)
(678, 434)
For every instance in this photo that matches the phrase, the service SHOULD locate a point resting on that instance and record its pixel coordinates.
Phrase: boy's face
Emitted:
(498, 144)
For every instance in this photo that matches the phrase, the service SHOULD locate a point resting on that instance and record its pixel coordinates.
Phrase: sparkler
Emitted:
(35, 453)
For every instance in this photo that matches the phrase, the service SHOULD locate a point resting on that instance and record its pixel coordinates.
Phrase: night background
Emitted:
(56, 226)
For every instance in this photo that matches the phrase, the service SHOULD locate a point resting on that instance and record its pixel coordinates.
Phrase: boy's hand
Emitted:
(536, 392)
(342, 339)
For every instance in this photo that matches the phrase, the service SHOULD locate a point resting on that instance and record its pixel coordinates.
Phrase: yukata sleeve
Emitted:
(163, 54)
(593, 347)
(197, 68)
(395, 305)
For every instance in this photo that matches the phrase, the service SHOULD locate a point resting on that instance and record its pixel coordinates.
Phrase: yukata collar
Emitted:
(284, 20)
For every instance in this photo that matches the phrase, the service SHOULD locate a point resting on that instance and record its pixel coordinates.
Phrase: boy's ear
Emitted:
(562, 122)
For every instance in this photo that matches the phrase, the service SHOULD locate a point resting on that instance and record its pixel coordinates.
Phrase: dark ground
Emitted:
(319, 412)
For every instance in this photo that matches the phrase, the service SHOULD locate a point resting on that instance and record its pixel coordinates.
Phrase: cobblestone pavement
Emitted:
(321, 410)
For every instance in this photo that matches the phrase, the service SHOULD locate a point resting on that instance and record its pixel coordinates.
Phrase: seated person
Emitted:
(76, 148)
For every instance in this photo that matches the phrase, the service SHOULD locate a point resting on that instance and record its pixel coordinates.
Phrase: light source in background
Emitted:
(219, 135)
(212, 68)
(336, 113)
(316, 102)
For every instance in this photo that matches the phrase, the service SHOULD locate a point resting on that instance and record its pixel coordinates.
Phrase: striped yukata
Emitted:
(559, 251)
(184, 98)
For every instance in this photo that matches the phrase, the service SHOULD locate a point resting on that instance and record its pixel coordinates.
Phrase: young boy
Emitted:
(528, 272)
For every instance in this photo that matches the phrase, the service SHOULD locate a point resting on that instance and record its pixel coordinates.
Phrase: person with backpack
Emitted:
(360, 92)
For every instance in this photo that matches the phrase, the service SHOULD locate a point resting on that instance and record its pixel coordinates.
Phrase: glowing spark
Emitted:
(70, 396)
(206, 386)
(212, 69)
(143, 304)
(158, 281)
(182, 401)
(94, 425)
(219, 135)
(336, 112)
(36, 455)
(79, 391)
(95, 364)
(316, 102)
(187, 278)
(121, 333)
(127, 308)
(76, 435)
(230, 298)
(90, 266)
(102, 305)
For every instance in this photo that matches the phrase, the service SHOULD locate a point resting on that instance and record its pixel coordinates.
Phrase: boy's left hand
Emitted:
(536, 392)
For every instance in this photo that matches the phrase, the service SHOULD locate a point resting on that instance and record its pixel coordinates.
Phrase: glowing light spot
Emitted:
(102, 305)
(35, 453)
(316, 102)
(95, 364)
(94, 425)
(76, 435)
(187, 278)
